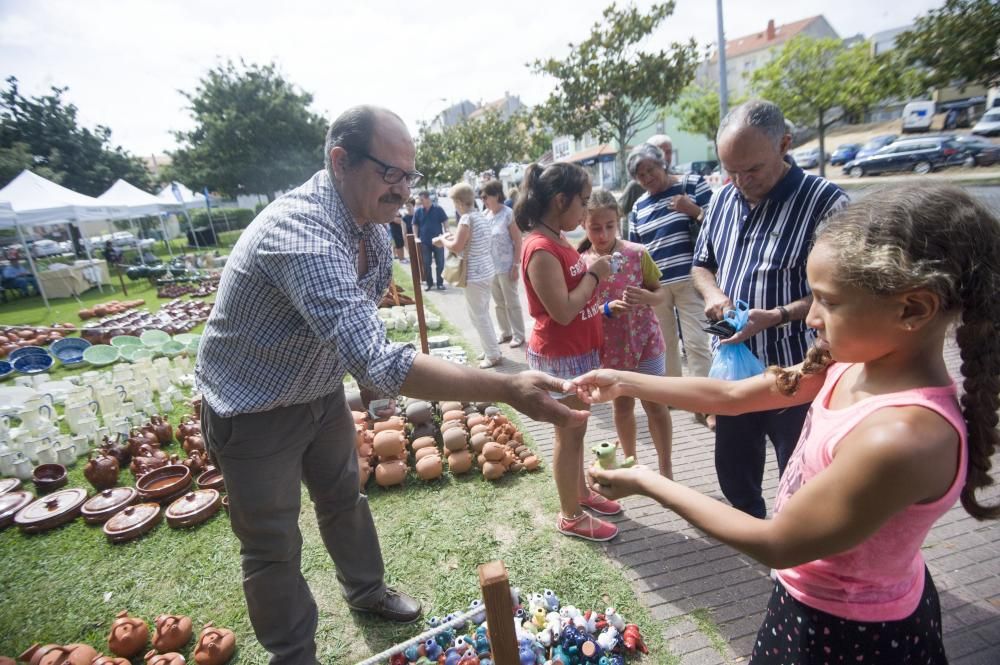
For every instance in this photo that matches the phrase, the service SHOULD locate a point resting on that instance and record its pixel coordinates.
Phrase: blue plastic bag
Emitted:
(733, 362)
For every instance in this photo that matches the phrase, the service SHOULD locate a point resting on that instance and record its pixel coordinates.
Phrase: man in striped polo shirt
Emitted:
(753, 247)
(662, 221)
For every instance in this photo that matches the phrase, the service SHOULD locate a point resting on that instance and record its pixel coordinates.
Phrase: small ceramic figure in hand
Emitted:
(606, 457)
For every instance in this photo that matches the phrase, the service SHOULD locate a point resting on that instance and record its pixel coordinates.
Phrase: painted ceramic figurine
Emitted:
(606, 456)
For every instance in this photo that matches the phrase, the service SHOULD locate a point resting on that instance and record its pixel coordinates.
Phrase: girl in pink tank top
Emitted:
(887, 447)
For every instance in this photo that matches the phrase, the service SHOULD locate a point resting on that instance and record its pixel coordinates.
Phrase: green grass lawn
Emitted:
(67, 585)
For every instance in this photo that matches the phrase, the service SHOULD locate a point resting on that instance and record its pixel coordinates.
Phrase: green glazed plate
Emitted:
(172, 348)
(122, 341)
(101, 354)
(154, 338)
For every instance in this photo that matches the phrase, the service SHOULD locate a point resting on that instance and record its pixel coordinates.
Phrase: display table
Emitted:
(67, 281)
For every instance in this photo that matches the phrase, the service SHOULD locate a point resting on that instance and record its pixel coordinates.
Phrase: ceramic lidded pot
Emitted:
(51, 511)
(128, 635)
(104, 505)
(172, 632)
(132, 522)
(215, 645)
(193, 508)
(9, 485)
(11, 503)
(101, 471)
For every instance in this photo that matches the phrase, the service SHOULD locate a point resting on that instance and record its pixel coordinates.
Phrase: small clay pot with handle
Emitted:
(215, 645)
(108, 660)
(172, 658)
(172, 632)
(128, 635)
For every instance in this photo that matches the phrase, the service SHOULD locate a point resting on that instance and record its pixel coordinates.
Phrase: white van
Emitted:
(918, 116)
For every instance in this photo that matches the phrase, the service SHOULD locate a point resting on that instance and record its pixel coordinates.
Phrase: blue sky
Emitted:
(124, 62)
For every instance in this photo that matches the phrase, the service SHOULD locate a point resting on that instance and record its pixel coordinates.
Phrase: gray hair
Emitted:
(641, 153)
(353, 131)
(760, 114)
(660, 139)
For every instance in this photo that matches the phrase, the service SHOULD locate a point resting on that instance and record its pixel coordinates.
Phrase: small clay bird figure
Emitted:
(606, 457)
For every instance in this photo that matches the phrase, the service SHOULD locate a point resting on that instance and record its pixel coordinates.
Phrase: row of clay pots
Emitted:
(129, 636)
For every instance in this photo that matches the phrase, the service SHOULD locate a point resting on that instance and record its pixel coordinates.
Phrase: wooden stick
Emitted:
(418, 296)
(495, 588)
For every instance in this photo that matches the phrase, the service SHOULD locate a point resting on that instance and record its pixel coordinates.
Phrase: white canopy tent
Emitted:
(36, 201)
(176, 192)
(138, 203)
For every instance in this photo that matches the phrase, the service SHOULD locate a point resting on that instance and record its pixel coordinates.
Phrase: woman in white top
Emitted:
(473, 241)
(505, 246)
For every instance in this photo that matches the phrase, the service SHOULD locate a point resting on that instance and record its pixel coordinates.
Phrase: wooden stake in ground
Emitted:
(495, 587)
(418, 296)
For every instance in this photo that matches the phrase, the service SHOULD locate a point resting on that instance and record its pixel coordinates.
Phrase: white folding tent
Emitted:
(176, 192)
(36, 201)
(139, 204)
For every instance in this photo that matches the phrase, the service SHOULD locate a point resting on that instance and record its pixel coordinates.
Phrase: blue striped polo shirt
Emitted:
(666, 233)
(759, 254)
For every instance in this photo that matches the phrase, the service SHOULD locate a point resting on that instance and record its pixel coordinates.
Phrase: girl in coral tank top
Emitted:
(887, 448)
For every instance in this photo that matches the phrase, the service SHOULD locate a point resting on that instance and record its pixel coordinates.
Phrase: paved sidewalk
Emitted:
(684, 576)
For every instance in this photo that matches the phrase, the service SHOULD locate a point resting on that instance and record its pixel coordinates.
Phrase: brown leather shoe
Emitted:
(394, 606)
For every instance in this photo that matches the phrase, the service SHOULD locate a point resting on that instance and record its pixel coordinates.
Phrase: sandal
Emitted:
(586, 526)
(601, 505)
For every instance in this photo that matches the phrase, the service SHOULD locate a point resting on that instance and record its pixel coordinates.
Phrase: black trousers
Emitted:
(740, 452)
(427, 251)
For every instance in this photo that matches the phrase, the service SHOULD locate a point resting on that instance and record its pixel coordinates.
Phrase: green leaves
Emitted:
(254, 132)
(697, 111)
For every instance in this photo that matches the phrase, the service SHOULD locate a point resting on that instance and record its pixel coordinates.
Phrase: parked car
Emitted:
(806, 158)
(921, 156)
(844, 153)
(989, 124)
(705, 167)
(982, 151)
(918, 116)
(874, 145)
(44, 247)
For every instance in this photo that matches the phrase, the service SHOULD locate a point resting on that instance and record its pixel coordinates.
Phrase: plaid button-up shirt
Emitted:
(292, 315)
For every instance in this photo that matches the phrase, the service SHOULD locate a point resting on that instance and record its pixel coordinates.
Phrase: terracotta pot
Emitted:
(389, 443)
(164, 483)
(429, 467)
(394, 422)
(171, 658)
(450, 406)
(34, 654)
(172, 632)
(215, 645)
(390, 473)
(423, 442)
(194, 442)
(452, 424)
(460, 462)
(419, 412)
(197, 461)
(108, 660)
(118, 450)
(164, 432)
(128, 635)
(455, 414)
(493, 451)
(421, 453)
(455, 439)
(101, 472)
(473, 420)
(71, 654)
(493, 470)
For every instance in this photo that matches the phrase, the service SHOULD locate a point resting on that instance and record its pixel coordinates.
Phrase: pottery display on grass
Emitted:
(51, 511)
(108, 502)
(33, 655)
(109, 660)
(128, 635)
(148, 460)
(101, 471)
(164, 484)
(9, 485)
(211, 479)
(171, 632)
(132, 522)
(171, 658)
(215, 645)
(197, 461)
(49, 477)
(55, 654)
(164, 432)
(193, 508)
(11, 503)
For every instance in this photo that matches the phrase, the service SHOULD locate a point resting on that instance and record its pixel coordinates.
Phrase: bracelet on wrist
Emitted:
(597, 280)
(785, 316)
(607, 308)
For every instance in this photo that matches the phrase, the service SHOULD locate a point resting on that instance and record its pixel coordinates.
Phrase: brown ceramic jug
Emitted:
(102, 472)
(172, 632)
(215, 645)
(164, 432)
(197, 461)
(128, 635)
(172, 658)
(117, 448)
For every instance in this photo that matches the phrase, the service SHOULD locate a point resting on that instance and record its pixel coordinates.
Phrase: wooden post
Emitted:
(418, 294)
(495, 588)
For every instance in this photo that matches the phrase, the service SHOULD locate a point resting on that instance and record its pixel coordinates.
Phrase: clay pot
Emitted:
(172, 632)
(452, 424)
(480, 428)
(215, 645)
(101, 472)
(164, 432)
(389, 473)
(394, 422)
(493, 451)
(423, 442)
(493, 470)
(456, 414)
(128, 635)
(460, 462)
(188, 427)
(473, 420)
(35, 653)
(419, 412)
(454, 439)
(424, 452)
(71, 654)
(389, 443)
(138, 438)
(197, 461)
(478, 441)
(4, 660)
(429, 467)
(194, 442)
(107, 660)
(117, 450)
(171, 658)
(450, 406)
(422, 430)
(531, 463)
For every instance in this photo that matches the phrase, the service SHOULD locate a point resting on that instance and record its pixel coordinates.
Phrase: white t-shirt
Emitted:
(477, 249)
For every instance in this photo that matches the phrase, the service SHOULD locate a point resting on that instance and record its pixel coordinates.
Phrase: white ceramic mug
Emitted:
(44, 452)
(66, 454)
(21, 467)
(7, 462)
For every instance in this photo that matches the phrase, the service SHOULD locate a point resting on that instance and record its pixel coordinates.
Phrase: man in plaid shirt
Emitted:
(295, 311)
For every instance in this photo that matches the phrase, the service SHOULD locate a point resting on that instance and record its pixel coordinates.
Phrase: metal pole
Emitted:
(723, 83)
(194, 234)
(31, 264)
(166, 240)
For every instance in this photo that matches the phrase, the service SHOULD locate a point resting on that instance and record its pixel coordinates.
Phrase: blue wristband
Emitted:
(607, 309)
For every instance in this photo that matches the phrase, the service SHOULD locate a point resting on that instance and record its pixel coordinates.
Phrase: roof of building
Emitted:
(496, 105)
(767, 38)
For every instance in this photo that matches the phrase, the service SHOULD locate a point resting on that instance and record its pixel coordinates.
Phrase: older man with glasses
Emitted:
(296, 310)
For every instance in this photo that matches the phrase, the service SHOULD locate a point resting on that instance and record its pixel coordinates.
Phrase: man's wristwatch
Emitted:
(701, 216)
(785, 316)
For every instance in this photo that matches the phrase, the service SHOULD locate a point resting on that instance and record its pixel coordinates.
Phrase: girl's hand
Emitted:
(599, 385)
(618, 483)
(636, 295)
(514, 274)
(618, 307)
(602, 266)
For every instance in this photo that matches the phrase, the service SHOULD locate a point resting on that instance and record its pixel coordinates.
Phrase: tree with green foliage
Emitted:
(609, 85)
(486, 142)
(957, 43)
(253, 133)
(818, 82)
(42, 134)
(698, 112)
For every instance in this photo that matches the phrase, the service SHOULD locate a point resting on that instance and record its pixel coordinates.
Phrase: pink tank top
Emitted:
(882, 578)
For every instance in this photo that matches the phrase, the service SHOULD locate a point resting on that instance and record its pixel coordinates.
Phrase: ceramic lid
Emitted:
(193, 508)
(52, 510)
(10, 503)
(132, 522)
(106, 503)
(9, 485)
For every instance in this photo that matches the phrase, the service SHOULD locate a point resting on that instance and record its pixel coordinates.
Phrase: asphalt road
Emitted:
(988, 194)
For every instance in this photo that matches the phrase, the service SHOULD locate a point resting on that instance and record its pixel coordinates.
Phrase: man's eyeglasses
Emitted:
(392, 175)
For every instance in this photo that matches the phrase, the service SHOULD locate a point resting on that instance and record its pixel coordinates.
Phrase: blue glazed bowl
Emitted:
(69, 350)
(26, 351)
(34, 363)
(6, 369)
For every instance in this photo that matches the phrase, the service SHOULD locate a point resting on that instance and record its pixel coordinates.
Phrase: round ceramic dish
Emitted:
(69, 351)
(172, 348)
(122, 341)
(185, 338)
(34, 363)
(101, 354)
(6, 369)
(51, 511)
(132, 522)
(26, 351)
(132, 352)
(154, 338)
